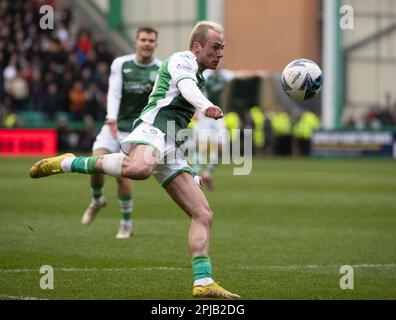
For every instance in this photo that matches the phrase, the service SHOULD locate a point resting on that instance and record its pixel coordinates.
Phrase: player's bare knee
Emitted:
(138, 172)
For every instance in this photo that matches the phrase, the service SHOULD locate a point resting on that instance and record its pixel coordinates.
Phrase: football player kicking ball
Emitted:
(174, 99)
(131, 81)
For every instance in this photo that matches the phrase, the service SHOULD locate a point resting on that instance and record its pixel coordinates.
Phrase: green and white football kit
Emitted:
(130, 85)
(177, 94)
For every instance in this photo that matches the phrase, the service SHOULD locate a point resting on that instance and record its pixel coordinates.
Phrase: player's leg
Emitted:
(136, 166)
(125, 200)
(187, 194)
(145, 151)
(98, 200)
(177, 179)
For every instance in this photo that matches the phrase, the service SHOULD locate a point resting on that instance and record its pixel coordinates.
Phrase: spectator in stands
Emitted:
(10, 72)
(100, 76)
(48, 58)
(19, 91)
(86, 76)
(95, 102)
(77, 101)
(84, 45)
(65, 15)
(51, 102)
(62, 33)
(103, 51)
(87, 137)
(63, 134)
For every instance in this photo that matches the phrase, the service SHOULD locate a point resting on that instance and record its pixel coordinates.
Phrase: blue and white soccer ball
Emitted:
(302, 79)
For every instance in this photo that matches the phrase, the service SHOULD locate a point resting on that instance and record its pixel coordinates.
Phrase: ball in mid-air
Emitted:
(302, 79)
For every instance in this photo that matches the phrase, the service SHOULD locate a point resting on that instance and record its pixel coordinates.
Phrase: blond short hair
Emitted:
(200, 31)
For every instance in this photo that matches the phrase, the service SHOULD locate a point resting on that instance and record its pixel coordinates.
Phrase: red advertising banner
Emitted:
(28, 142)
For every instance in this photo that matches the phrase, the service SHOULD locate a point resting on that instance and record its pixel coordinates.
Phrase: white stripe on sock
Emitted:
(66, 164)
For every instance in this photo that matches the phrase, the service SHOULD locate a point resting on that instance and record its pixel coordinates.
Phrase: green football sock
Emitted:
(202, 268)
(84, 164)
(97, 190)
(126, 206)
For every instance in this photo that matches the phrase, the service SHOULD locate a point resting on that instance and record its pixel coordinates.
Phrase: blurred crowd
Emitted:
(376, 117)
(56, 71)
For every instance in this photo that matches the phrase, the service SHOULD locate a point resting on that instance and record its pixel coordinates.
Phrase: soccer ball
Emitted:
(302, 79)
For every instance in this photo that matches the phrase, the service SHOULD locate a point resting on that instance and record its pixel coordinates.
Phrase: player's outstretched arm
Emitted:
(190, 91)
(114, 95)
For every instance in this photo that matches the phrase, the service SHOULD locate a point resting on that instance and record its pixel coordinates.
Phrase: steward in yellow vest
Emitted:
(281, 129)
(303, 130)
(258, 119)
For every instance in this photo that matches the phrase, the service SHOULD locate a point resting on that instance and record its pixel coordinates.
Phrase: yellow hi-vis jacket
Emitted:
(231, 120)
(258, 132)
(281, 124)
(306, 125)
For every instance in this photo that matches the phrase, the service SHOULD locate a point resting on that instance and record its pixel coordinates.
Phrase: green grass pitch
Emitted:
(282, 232)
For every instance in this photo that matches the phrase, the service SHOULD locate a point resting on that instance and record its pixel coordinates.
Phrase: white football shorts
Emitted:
(172, 163)
(105, 141)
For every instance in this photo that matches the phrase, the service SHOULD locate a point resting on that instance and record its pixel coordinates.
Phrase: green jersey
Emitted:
(130, 85)
(166, 102)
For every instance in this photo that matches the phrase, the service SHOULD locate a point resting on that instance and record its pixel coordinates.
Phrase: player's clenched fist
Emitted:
(214, 112)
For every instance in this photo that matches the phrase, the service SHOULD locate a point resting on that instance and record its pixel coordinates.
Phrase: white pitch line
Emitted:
(19, 297)
(389, 265)
(279, 267)
(71, 269)
(317, 266)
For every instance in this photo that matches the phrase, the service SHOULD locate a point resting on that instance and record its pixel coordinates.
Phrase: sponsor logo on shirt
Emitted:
(151, 131)
(137, 87)
(184, 67)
